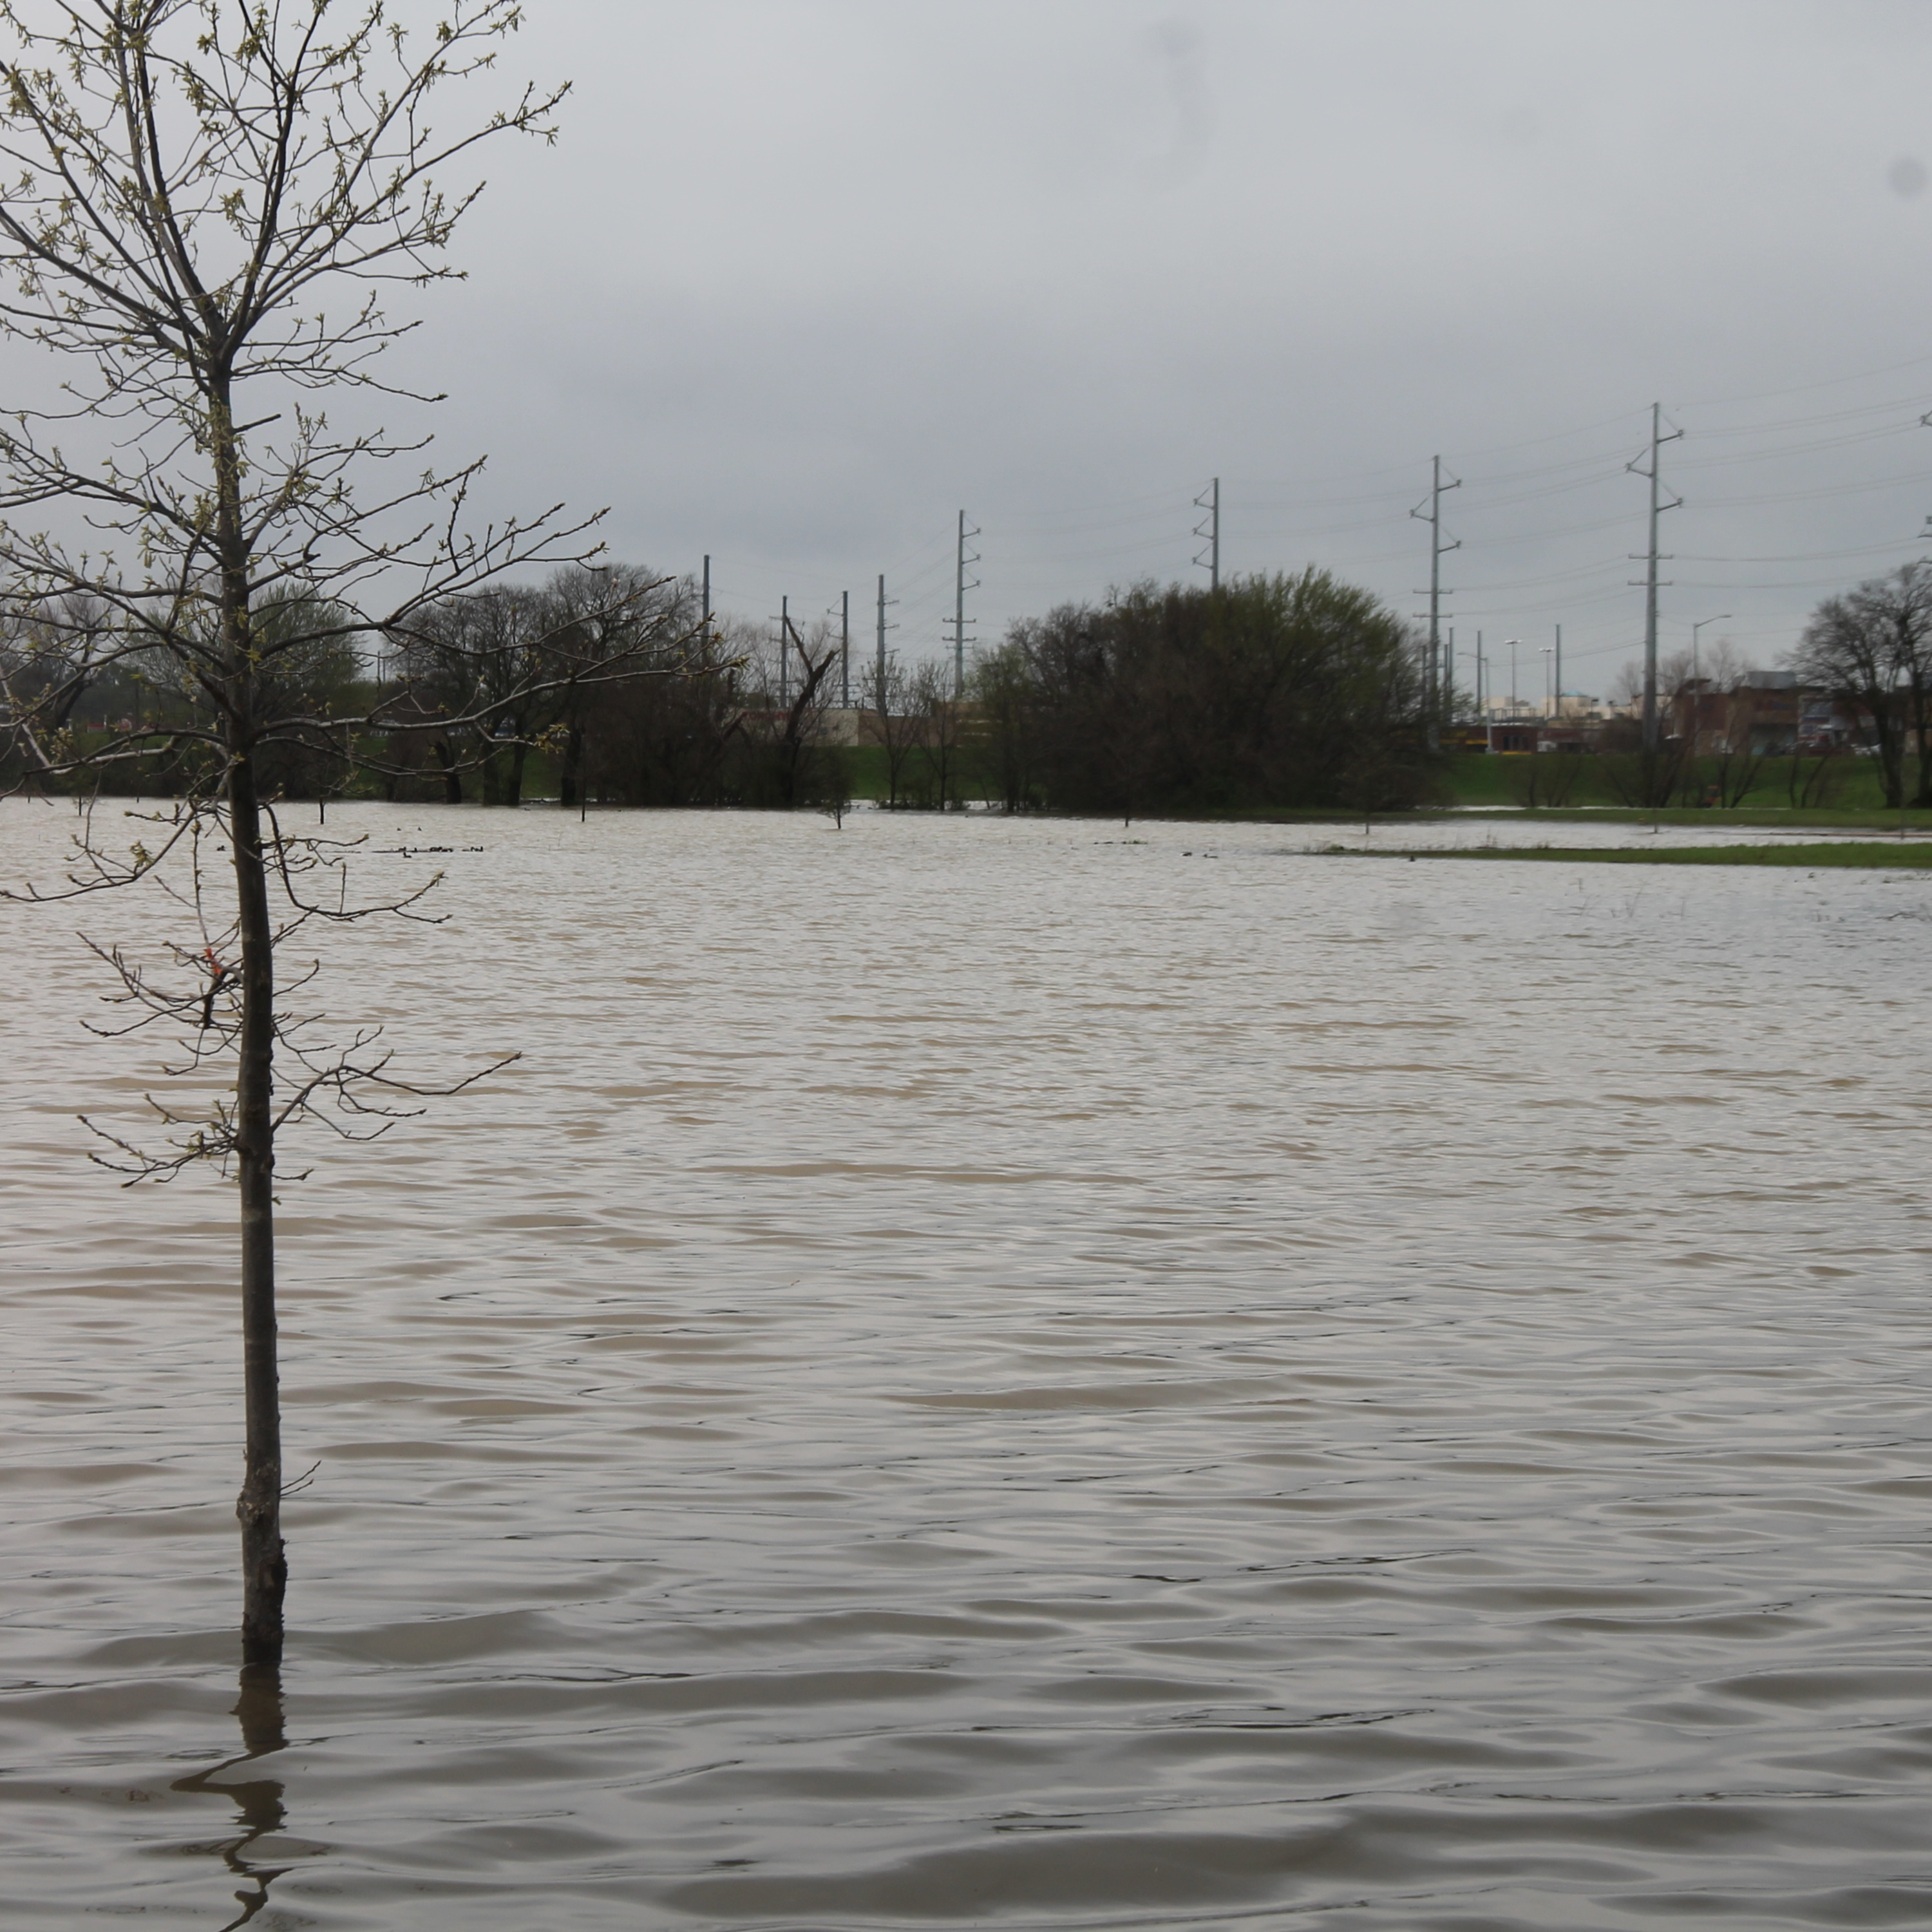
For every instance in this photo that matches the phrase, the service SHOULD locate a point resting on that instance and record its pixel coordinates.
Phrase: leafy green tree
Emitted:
(1281, 690)
(1002, 691)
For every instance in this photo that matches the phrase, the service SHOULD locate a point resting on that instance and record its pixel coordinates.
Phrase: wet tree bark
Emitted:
(571, 774)
(141, 127)
(264, 1563)
(265, 1570)
(452, 776)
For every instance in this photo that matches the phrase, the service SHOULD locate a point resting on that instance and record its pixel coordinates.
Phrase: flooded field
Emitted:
(1038, 1374)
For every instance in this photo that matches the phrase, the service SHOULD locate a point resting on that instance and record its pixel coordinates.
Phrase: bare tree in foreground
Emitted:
(203, 202)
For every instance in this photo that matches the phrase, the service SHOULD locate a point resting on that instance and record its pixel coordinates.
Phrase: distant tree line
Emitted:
(1274, 690)
(608, 674)
(1867, 649)
(80, 672)
(700, 713)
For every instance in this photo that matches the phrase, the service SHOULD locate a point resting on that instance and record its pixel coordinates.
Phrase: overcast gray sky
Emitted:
(801, 279)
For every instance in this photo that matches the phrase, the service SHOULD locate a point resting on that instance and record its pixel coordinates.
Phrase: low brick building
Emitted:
(1764, 712)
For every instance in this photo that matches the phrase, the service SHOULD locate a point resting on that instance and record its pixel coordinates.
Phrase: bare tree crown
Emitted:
(196, 184)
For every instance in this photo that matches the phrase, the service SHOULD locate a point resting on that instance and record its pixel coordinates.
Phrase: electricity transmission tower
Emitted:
(961, 585)
(845, 650)
(784, 653)
(1439, 689)
(705, 612)
(1209, 530)
(1657, 507)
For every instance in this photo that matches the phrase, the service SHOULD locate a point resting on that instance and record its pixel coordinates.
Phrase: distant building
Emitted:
(1525, 732)
(1763, 712)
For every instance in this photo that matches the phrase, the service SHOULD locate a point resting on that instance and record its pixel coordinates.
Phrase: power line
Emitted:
(1807, 388)
(1148, 542)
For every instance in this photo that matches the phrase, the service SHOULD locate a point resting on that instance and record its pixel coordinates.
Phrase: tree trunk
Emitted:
(1891, 753)
(513, 786)
(452, 776)
(571, 775)
(264, 1564)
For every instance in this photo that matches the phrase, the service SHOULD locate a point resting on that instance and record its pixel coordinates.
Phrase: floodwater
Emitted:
(1033, 1374)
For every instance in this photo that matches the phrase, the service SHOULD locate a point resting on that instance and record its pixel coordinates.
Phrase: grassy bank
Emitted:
(1472, 784)
(1866, 855)
(1851, 784)
(1768, 818)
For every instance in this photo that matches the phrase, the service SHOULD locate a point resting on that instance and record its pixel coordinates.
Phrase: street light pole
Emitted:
(1696, 690)
(1549, 709)
(1694, 629)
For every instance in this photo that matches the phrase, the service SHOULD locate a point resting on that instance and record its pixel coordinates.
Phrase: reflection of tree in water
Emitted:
(259, 1800)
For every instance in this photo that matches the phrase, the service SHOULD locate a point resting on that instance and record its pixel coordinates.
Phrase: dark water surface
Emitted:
(981, 1373)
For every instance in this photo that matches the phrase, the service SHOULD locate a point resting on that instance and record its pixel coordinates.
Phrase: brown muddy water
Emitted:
(1032, 1375)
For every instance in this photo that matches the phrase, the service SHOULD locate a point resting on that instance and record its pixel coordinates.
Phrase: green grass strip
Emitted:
(1821, 818)
(1872, 856)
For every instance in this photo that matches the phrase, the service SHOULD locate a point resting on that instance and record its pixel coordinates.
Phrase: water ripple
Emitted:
(983, 1373)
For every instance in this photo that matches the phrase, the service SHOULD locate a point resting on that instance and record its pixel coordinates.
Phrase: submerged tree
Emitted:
(787, 755)
(941, 718)
(886, 691)
(668, 740)
(203, 200)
